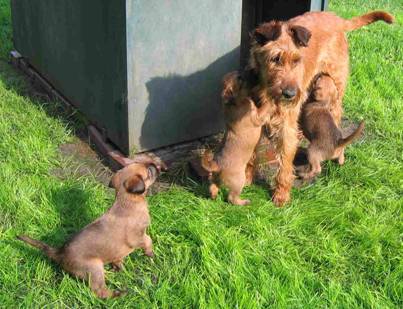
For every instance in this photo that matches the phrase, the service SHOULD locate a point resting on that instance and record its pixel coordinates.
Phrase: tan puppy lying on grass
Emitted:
(244, 123)
(114, 235)
(319, 127)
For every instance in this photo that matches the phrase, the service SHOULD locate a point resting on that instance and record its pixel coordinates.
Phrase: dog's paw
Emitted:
(237, 201)
(119, 293)
(117, 266)
(244, 202)
(280, 198)
(149, 253)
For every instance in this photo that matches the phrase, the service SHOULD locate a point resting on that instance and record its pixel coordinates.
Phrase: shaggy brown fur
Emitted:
(111, 237)
(319, 127)
(285, 59)
(244, 122)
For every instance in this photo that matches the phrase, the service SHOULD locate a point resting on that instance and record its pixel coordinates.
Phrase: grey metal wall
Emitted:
(178, 52)
(148, 73)
(80, 47)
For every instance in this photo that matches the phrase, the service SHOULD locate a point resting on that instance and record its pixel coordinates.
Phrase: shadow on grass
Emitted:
(74, 211)
(85, 157)
(18, 82)
(72, 205)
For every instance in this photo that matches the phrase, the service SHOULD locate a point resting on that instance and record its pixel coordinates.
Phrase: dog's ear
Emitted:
(115, 181)
(135, 185)
(267, 32)
(230, 87)
(300, 35)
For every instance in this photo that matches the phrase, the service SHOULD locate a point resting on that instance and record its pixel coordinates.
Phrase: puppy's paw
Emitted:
(239, 202)
(119, 293)
(117, 266)
(104, 293)
(149, 253)
(244, 202)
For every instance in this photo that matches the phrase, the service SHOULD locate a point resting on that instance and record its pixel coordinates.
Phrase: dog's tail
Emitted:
(343, 142)
(51, 252)
(366, 19)
(208, 163)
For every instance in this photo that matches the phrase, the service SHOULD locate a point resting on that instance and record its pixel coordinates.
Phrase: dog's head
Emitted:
(324, 89)
(276, 56)
(137, 177)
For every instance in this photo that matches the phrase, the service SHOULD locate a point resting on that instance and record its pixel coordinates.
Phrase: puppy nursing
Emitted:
(243, 127)
(319, 127)
(113, 236)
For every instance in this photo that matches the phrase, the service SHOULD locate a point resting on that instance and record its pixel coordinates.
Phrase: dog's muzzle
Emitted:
(289, 93)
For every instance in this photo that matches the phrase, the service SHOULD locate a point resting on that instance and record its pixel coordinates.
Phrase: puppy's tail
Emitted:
(366, 19)
(208, 163)
(349, 139)
(51, 252)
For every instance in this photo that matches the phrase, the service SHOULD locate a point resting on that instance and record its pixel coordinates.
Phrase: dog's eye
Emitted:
(276, 60)
(295, 61)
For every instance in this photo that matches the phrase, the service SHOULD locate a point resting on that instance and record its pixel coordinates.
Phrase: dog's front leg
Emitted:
(286, 146)
(260, 115)
(148, 245)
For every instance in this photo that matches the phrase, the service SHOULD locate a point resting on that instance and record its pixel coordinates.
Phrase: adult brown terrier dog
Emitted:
(114, 235)
(285, 58)
(319, 127)
(244, 124)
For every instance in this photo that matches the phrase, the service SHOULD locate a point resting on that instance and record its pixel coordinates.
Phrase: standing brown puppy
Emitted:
(114, 235)
(319, 127)
(244, 123)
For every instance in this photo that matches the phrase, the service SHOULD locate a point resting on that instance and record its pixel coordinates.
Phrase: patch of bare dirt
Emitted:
(79, 159)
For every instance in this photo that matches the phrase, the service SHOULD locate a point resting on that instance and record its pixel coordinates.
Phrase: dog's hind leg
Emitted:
(235, 186)
(214, 189)
(341, 159)
(96, 277)
(234, 198)
(314, 159)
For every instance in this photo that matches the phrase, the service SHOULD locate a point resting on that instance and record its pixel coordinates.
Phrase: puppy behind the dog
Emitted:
(243, 121)
(114, 235)
(319, 127)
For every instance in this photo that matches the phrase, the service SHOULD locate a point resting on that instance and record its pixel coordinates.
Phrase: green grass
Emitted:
(338, 244)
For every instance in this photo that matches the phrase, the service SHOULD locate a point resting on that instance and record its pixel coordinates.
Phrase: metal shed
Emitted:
(146, 73)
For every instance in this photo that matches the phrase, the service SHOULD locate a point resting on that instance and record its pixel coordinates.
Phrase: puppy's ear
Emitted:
(230, 86)
(135, 185)
(115, 181)
(267, 32)
(300, 35)
(163, 167)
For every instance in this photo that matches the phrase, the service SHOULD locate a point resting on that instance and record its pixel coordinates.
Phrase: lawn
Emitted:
(338, 244)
